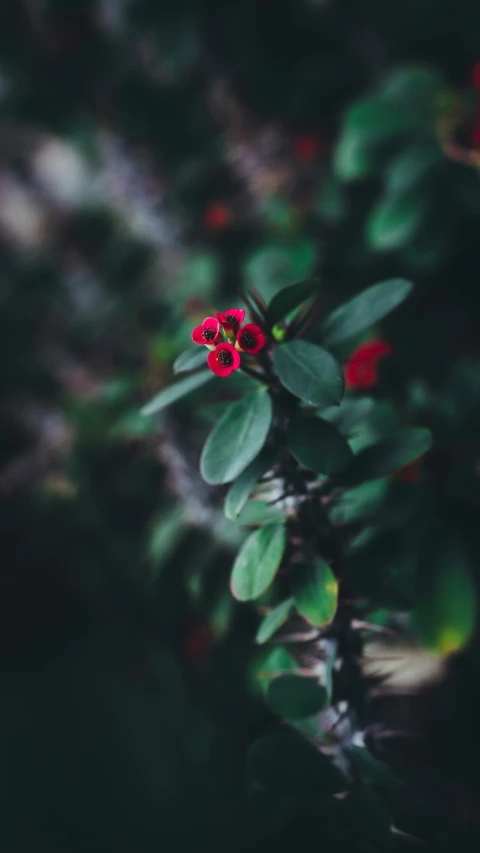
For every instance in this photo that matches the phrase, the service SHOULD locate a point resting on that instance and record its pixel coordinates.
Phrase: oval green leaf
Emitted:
(315, 592)
(287, 763)
(295, 696)
(446, 608)
(237, 438)
(309, 372)
(374, 120)
(412, 166)
(395, 220)
(291, 297)
(190, 359)
(257, 562)
(353, 159)
(242, 487)
(175, 392)
(318, 445)
(389, 455)
(363, 311)
(273, 621)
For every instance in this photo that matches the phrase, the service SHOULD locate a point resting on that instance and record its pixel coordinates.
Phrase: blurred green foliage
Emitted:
(154, 160)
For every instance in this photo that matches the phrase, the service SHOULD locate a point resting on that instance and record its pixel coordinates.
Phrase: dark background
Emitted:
(154, 159)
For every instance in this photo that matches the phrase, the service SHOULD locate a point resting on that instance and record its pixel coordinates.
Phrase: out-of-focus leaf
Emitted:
(289, 764)
(295, 696)
(175, 392)
(372, 770)
(389, 455)
(395, 220)
(374, 120)
(411, 166)
(257, 562)
(353, 160)
(190, 359)
(275, 266)
(446, 606)
(360, 503)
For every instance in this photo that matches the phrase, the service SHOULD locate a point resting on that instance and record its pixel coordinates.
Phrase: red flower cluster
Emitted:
(361, 367)
(224, 356)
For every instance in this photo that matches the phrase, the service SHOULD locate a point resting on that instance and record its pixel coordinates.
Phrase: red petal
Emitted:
(360, 374)
(197, 335)
(211, 323)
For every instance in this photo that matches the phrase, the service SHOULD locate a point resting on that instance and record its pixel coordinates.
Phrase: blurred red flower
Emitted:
(217, 216)
(197, 642)
(361, 367)
(307, 147)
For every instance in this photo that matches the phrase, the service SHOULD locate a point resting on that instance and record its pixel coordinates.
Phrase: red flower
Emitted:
(250, 338)
(197, 642)
(208, 333)
(306, 147)
(361, 367)
(217, 216)
(224, 359)
(231, 320)
(476, 76)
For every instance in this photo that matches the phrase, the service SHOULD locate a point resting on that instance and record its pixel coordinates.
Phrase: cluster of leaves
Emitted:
(290, 441)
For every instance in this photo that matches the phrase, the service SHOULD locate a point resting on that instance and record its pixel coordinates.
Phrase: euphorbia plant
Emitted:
(291, 439)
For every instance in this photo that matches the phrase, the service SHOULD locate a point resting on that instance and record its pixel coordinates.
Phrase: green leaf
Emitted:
(353, 160)
(359, 503)
(257, 562)
(295, 696)
(242, 487)
(237, 438)
(363, 311)
(372, 770)
(309, 372)
(389, 455)
(176, 392)
(373, 120)
(318, 445)
(273, 621)
(411, 166)
(395, 220)
(287, 763)
(446, 607)
(415, 84)
(190, 359)
(315, 592)
(274, 266)
(291, 297)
